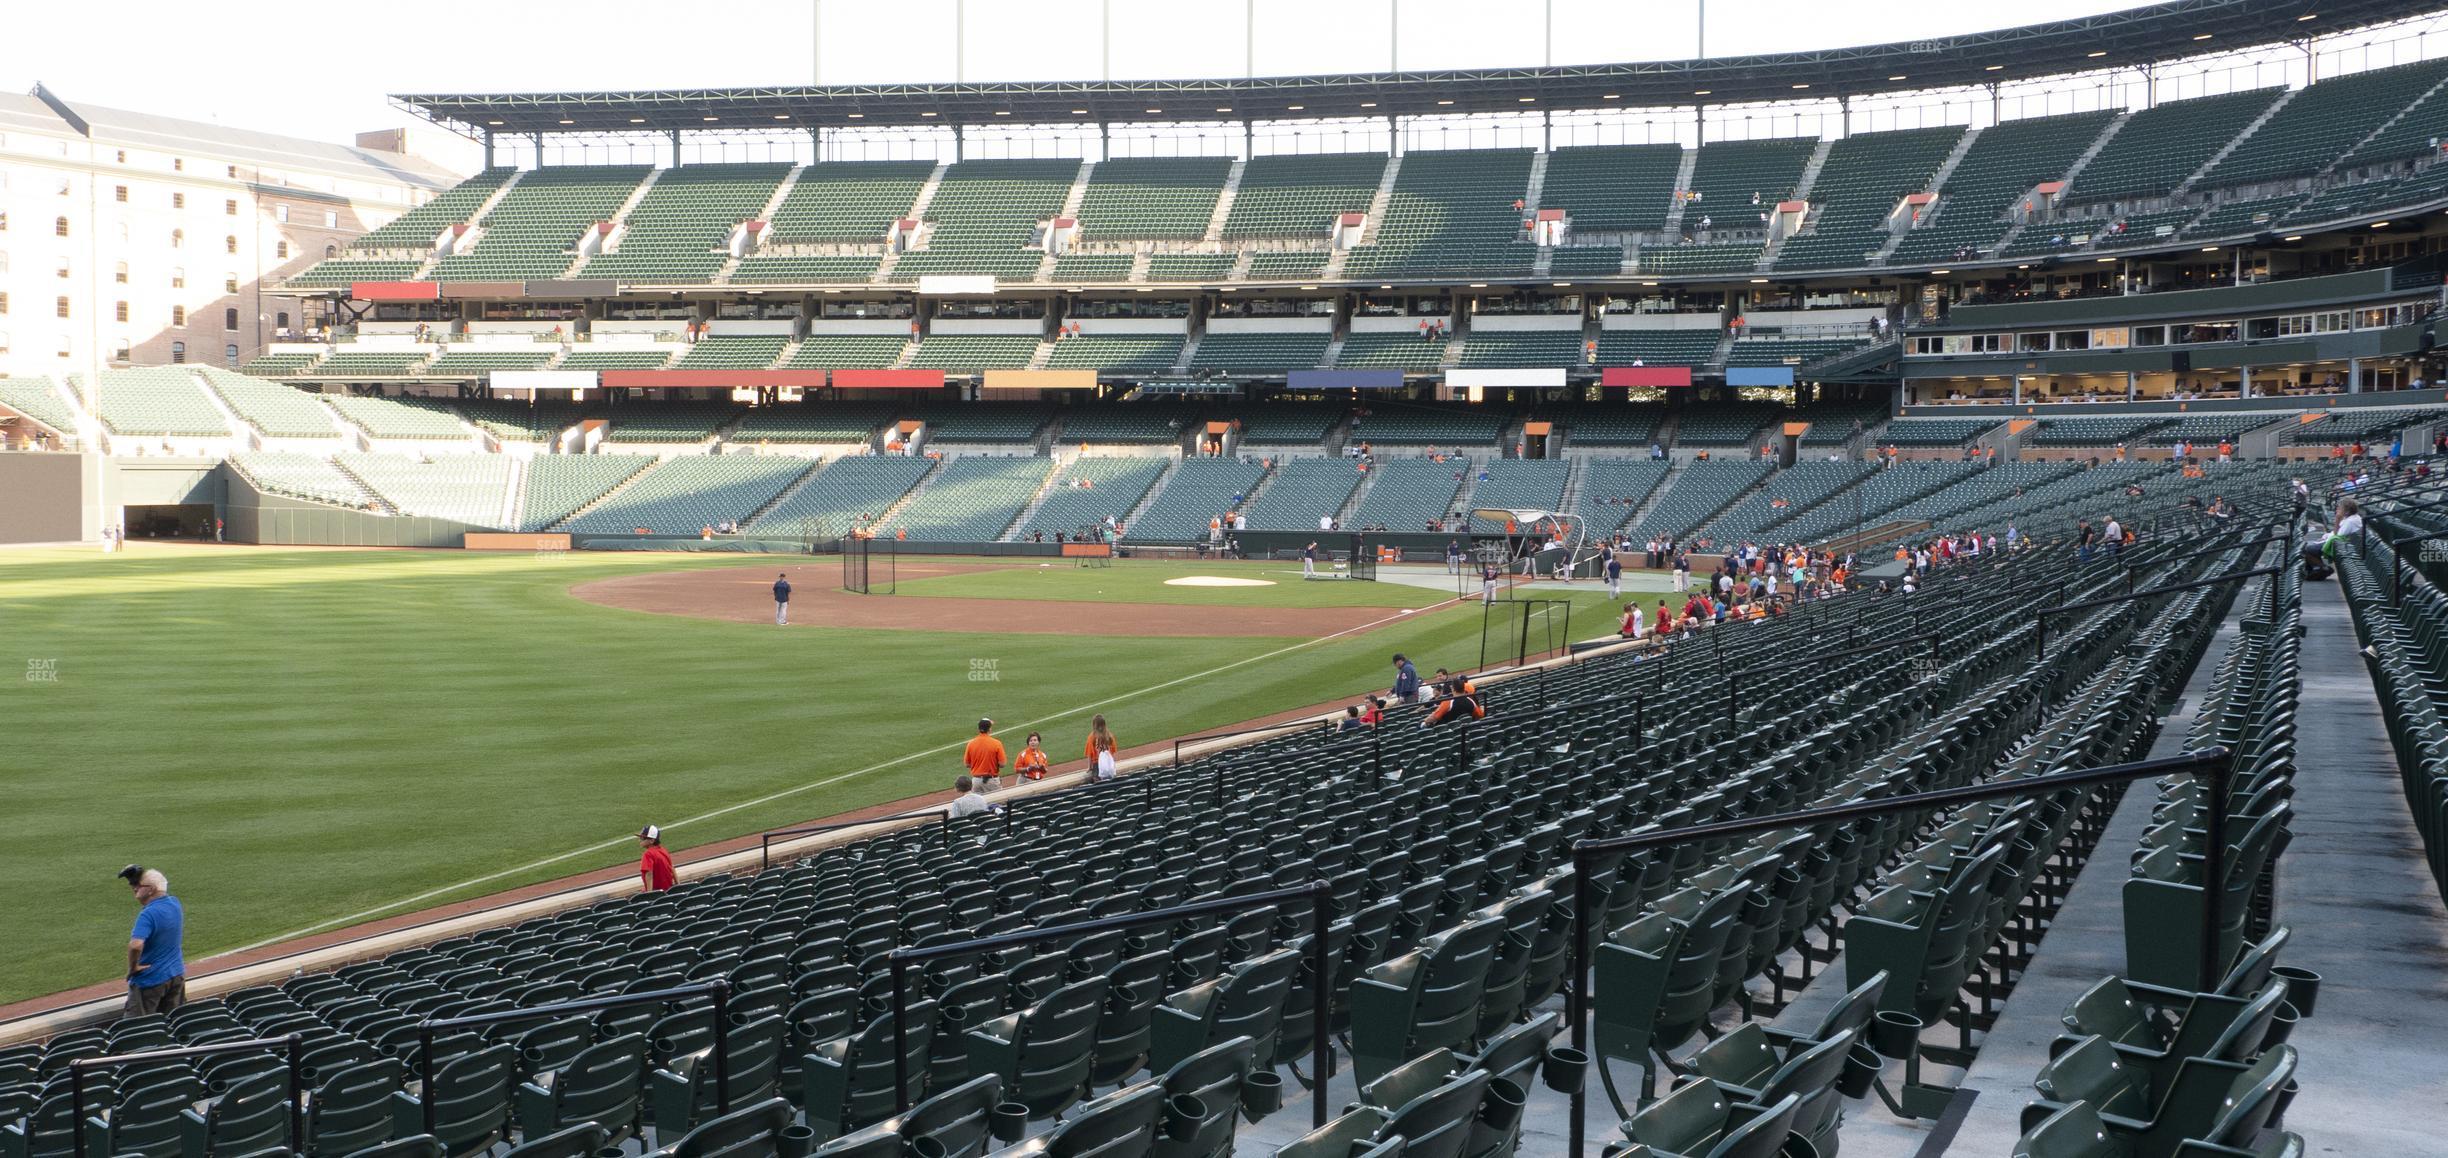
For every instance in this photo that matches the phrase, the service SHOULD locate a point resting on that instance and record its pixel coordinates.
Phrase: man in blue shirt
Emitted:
(782, 600)
(157, 971)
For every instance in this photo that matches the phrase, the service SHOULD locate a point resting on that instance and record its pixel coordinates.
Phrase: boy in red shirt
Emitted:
(654, 864)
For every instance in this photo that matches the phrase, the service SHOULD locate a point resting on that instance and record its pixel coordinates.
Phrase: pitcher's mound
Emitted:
(1217, 581)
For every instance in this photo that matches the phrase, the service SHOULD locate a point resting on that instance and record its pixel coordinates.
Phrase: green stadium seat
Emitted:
(534, 230)
(1612, 188)
(849, 1080)
(677, 233)
(1299, 194)
(601, 1086)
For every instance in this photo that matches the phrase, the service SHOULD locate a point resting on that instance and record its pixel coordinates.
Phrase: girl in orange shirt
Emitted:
(1101, 749)
(1031, 762)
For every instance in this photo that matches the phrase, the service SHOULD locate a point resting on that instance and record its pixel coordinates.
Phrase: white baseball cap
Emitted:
(650, 832)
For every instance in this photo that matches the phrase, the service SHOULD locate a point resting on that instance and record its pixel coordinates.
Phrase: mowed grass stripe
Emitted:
(297, 736)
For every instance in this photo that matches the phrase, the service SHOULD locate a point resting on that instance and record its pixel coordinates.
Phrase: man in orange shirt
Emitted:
(984, 756)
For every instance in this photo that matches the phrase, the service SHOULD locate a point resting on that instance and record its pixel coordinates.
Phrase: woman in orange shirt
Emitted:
(1031, 762)
(1101, 749)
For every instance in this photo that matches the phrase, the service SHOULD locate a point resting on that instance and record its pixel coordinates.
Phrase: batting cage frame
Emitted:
(866, 570)
(1554, 634)
(1362, 565)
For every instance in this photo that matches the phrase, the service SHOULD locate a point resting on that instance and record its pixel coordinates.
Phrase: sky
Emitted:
(325, 72)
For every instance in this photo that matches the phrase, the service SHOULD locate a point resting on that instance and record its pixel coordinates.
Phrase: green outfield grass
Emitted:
(303, 737)
(1146, 581)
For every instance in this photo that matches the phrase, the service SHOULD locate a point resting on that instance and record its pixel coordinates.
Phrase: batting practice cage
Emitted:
(1363, 565)
(869, 566)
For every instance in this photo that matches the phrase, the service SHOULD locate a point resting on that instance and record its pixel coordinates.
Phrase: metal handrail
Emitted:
(719, 989)
(293, 1045)
(765, 840)
(2040, 617)
(2211, 764)
(1316, 892)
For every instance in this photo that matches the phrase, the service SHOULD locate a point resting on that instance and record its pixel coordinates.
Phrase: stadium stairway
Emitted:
(374, 497)
(2085, 942)
(2186, 186)
(2355, 872)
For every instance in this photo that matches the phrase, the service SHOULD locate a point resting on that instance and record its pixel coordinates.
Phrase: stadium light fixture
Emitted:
(858, 116)
(492, 122)
(1368, 104)
(1308, 287)
(2292, 237)
(1002, 112)
(1385, 285)
(710, 119)
(2379, 224)
(928, 113)
(2103, 260)
(1526, 100)
(781, 116)
(1898, 76)
(2201, 36)
(1079, 112)
(1805, 84)
(1759, 281)
(567, 121)
(1478, 285)
(2209, 249)
(1563, 284)
(1613, 96)
(2307, 16)
(1702, 91)
(1993, 68)
(1445, 102)
(1155, 110)
(1936, 272)
(1223, 108)
(2095, 53)
(642, 120)
(1648, 283)
(1294, 108)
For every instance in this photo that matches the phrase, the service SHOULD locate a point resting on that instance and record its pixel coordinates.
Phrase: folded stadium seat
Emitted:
(1247, 1001)
(1654, 979)
(1207, 1093)
(251, 1114)
(602, 1083)
(412, 1146)
(1700, 1121)
(849, 1080)
(1043, 1053)
(759, 1128)
(1425, 1000)
(1440, 1118)
(2219, 1103)
(471, 1099)
(584, 1140)
(1125, 1121)
(1125, 1030)
(953, 1123)
(2164, 899)
(1809, 1076)
(683, 1089)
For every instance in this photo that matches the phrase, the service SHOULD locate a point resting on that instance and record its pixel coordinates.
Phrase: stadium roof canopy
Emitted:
(2133, 37)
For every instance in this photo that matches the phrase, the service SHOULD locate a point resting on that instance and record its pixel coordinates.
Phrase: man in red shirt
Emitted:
(654, 864)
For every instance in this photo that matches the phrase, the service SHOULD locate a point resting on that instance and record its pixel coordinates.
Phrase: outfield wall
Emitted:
(45, 496)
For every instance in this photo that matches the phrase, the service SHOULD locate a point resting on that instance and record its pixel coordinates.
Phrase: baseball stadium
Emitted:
(1887, 596)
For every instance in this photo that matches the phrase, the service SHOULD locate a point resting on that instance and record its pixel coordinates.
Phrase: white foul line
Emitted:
(827, 782)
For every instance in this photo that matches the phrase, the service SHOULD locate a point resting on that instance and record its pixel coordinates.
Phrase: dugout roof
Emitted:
(2139, 36)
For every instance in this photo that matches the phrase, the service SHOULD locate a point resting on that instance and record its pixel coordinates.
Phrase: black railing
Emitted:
(1286, 726)
(1321, 978)
(2040, 617)
(293, 1046)
(2212, 765)
(720, 991)
(766, 840)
